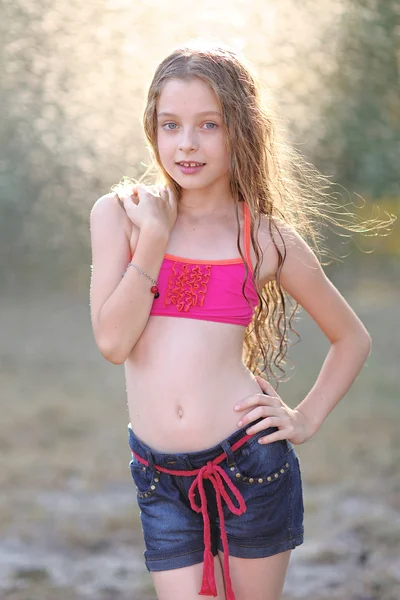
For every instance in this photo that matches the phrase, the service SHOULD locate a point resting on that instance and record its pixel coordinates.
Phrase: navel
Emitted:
(179, 411)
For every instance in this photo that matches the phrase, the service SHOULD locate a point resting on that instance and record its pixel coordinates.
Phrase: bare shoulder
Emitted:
(276, 237)
(109, 210)
(107, 206)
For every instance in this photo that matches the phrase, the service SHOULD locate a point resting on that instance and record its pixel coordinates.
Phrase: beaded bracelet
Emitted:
(154, 288)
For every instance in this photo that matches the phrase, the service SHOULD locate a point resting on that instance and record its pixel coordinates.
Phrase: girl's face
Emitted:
(190, 129)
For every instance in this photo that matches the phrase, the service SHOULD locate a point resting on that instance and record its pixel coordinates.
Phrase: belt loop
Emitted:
(150, 459)
(229, 453)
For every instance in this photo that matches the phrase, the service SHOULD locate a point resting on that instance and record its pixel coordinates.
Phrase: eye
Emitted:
(168, 128)
(214, 125)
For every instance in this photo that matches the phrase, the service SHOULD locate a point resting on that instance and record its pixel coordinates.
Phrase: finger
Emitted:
(282, 434)
(130, 203)
(257, 399)
(171, 197)
(164, 193)
(257, 413)
(133, 197)
(265, 386)
(268, 422)
(141, 188)
(155, 190)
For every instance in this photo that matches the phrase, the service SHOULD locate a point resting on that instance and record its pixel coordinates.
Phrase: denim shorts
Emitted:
(267, 476)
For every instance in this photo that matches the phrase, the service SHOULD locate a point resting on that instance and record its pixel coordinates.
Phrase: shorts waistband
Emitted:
(182, 461)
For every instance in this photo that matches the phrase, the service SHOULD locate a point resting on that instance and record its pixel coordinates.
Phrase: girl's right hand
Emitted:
(151, 207)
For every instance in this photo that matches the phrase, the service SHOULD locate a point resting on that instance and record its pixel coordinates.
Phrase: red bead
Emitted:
(154, 289)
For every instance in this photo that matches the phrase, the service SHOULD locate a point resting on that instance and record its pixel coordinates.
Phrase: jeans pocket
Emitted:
(257, 464)
(145, 478)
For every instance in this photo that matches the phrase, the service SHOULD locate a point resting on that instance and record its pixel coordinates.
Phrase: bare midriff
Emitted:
(183, 379)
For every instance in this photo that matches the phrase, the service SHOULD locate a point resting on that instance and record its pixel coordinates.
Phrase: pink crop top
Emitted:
(210, 290)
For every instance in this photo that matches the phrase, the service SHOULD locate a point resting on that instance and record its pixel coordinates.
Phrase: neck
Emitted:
(197, 204)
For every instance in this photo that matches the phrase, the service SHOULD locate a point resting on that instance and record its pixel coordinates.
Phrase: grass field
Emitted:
(69, 526)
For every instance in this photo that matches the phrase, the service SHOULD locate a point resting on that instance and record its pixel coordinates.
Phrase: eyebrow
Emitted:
(204, 112)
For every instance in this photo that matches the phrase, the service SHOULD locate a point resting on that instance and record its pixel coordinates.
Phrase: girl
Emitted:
(188, 291)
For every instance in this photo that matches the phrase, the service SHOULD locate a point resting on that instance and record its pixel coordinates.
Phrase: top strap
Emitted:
(247, 224)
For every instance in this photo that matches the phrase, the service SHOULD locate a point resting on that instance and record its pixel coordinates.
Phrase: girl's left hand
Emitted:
(292, 424)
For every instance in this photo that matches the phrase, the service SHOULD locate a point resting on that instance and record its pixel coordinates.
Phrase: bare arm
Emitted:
(303, 278)
(120, 306)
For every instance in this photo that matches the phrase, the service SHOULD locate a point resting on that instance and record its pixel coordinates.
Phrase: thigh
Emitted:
(258, 578)
(185, 583)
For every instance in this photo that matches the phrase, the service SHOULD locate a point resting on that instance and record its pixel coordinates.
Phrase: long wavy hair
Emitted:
(271, 176)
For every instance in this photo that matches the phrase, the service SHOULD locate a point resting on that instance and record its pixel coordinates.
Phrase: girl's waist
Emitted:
(187, 423)
(187, 459)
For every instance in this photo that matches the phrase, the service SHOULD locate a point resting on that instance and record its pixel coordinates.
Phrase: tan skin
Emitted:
(181, 396)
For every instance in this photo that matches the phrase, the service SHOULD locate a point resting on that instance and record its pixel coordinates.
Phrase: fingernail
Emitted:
(237, 406)
(240, 423)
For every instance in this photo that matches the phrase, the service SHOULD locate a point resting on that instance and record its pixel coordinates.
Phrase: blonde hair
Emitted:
(273, 178)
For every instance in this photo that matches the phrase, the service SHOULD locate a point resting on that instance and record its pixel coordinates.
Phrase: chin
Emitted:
(194, 185)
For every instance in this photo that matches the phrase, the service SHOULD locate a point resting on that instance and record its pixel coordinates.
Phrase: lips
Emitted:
(190, 168)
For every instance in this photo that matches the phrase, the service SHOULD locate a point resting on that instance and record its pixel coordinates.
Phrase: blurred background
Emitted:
(73, 81)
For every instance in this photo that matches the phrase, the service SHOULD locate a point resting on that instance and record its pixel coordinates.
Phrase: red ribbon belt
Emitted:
(218, 478)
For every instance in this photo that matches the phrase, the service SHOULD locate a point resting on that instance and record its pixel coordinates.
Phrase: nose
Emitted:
(188, 141)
